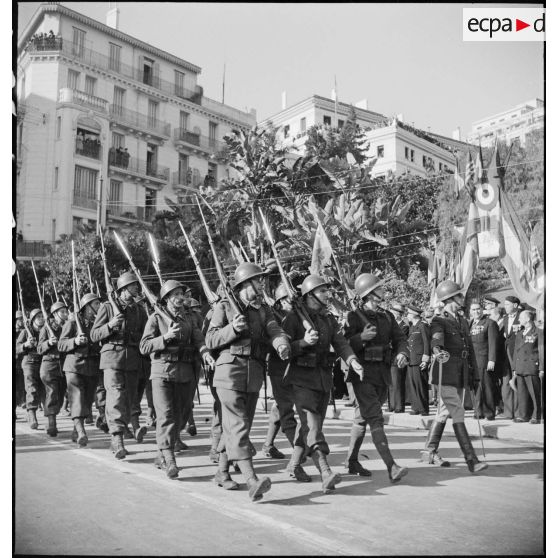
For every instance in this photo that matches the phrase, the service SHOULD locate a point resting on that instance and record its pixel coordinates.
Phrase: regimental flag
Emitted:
(321, 253)
(469, 180)
(479, 169)
(458, 181)
(469, 249)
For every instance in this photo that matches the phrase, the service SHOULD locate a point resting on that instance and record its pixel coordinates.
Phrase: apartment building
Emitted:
(108, 126)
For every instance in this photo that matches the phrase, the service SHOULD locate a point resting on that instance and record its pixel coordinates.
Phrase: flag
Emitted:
(322, 251)
(432, 267)
(469, 249)
(479, 169)
(469, 180)
(458, 182)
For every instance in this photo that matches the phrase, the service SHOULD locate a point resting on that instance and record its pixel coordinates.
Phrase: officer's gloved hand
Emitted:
(239, 323)
(401, 360)
(357, 367)
(284, 352)
(369, 332)
(424, 362)
(209, 360)
(311, 337)
(490, 366)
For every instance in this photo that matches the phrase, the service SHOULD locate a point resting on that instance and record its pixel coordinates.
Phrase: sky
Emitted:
(405, 59)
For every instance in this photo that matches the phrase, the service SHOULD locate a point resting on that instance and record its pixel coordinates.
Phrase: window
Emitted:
(340, 123)
(58, 126)
(117, 140)
(85, 183)
(178, 83)
(151, 160)
(211, 178)
(73, 79)
(380, 151)
(407, 153)
(184, 116)
(115, 197)
(286, 130)
(90, 85)
(424, 161)
(327, 120)
(55, 178)
(114, 57)
(212, 134)
(183, 169)
(76, 224)
(53, 230)
(440, 167)
(78, 45)
(412, 155)
(118, 99)
(148, 66)
(303, 125)
(150, 203)
(152, 108)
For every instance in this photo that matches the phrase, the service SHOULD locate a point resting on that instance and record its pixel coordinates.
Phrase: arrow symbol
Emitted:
(519, 25)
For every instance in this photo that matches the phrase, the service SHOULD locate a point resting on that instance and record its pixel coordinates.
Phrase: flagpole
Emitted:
(223, 95)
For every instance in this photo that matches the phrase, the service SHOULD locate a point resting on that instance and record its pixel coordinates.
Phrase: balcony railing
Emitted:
(84, 203)
(137, 166)
(42, 44)
(138, 120)
(89, 148)
(119, 210)
(34, 250)
(186, 177)
(67, 95)
(206, 143)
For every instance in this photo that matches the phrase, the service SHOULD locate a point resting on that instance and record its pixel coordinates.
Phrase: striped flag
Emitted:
(469, 249)
(469, 179)
(479, 172)
(322, 251)
(458, 182)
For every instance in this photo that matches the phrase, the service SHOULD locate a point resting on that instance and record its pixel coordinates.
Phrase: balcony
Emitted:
(197, 142)
(32, 250)
(85, 203)
(126, 212)
(89, 148)
(139, 122)
(45, 44)
(122, 163)
(75, 97)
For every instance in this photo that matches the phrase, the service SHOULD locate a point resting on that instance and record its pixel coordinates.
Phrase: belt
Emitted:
(459, 354)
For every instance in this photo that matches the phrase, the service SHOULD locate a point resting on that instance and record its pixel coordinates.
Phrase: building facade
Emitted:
(510, 125)
(108, 126)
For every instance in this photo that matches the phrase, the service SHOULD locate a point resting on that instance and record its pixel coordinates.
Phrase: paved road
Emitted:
(83, 501)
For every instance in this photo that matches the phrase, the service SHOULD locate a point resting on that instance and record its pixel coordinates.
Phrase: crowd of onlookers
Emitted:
(46, 41)
(88, 144)
(119, 157)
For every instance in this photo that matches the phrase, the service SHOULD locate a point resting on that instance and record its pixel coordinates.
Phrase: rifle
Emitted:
(55, 291)
(79, 325)
(98, 290)
(222, 277)
(156, 260)
(41, 303)
(26, 323)
(111, 294)
(162, 312)
(90, 279)
(209, 294)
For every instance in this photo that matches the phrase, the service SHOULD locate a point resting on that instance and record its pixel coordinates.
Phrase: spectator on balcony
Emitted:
(79, 142)
(119, 154)
(125, 158)
(112, 155)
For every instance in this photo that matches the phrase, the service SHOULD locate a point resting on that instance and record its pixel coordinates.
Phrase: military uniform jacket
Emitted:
(375, 355)
(404, 327)
(241, 360)
(51, 357)
(275, 366)
(30, 356)
(119, 349)
(484, 336)
(172, 360)
(419, 342)
(82, 359)
(452, 334)
(509, 338)
(528, 357)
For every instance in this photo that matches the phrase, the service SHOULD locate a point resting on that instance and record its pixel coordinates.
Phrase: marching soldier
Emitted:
(81, 364)
(27, 347)
(310, 374)
(451, 345)
(397, 388)
(242, 341)
(18, 372)
(51, 366)
(373, 343)
(120, 359)
(419, 357)
(173, 351)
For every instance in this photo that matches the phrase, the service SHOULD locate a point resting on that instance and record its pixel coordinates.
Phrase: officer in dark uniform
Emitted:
(120, 359)
(242, 341)
(490, 302)
(419, 357)
(51, 366)
(81, 364)
(397, 387)
(31, 363)
(528, 368)
(452, 347)
(484, 336)
(173, 351)
(509, 328)
(374, 335)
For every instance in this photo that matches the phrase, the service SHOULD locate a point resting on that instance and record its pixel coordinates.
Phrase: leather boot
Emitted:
(32, 419)
(159, 461)
(117, 446)
(395, 472)
(74, 434)
(466, 446)
(294, 468)
(430, 452)
(127, 434)
(329, 478)
(222, 477)
(101, 422)
(171, 468)
(256, 487)
(139, 431)
(179, 445)
(352, 463)
(52, 431)
(81, 435)
(213, 455)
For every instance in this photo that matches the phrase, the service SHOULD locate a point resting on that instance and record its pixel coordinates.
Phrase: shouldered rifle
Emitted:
(77, 317)
(156, 260)
(111, 293)
(90, 279)
(42, 303)
(222, 277)
(162, 312)
(26, 323)
(209, 294)
(55, 291)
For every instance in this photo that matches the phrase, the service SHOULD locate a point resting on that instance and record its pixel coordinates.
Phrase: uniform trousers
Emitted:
(216, 421)
(52, 377)
(100, 391)
(171, 401)
(397, 388)
(311, 406)
(144, 385)
(81, 393)
(529, 397)
(34, 389)
(237, 412)
(418, 388)
(121, 387)
(509, 397)
(284, 403)
(368, 409)
(486, 394)
(450, 404)
(19, 383)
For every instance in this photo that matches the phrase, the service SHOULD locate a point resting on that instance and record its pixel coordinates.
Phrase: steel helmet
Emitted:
(34, 313)
(126, 279)
(280, 292)
(311, 283)
(170, 286)
(246, 271)
(365, 283)
(19, 314)
(447, 289)
(56, 306)
(86, 299)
